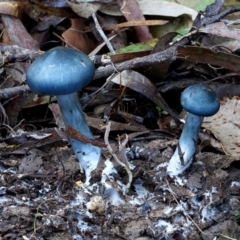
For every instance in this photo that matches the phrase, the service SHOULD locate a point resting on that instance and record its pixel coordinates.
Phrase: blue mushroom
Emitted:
(199, 101)
(62, 72)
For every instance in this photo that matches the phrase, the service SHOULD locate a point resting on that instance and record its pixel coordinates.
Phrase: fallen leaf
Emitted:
(136, 23)
(58, 8)
(143, 85)
(32, 162)
(131, 11)
(181, 191)
(18, 35)
(155, 7)
(84, 9)
(198, 5)
(225, 125)
(76, 37)
(220, 29)
(12, 8)
(95, 122)
(205, 55)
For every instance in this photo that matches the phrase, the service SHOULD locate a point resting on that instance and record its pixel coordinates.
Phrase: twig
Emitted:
(212, 19)
(7, 93)
(14, 53)
(3, 115)
(104, 37)
(132, 12)
(122, 148)
(167, 55)
(93, 53)
(173, 194)
(35, 217)
(180, 154)
(109, 148)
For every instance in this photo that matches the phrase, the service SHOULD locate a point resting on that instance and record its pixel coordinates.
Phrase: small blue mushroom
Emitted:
(62, 72)
(199, 101)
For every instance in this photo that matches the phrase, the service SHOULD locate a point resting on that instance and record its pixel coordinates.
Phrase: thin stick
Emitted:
(109, 148)
(104, 37)
(122, 147)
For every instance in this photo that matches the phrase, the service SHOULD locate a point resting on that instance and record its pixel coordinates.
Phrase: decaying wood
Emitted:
(7, 93)
(13, 53)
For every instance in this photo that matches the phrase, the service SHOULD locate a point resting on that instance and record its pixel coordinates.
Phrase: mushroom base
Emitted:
(87, 154)
(183, 155)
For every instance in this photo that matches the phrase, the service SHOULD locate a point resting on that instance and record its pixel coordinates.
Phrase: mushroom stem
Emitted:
(183, 155)
(87, 154)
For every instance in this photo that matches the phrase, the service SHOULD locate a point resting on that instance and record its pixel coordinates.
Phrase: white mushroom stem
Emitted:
(87, 154)
(183, 155)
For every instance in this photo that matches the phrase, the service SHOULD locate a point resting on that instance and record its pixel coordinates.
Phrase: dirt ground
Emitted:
(43, 194)
(42, 197)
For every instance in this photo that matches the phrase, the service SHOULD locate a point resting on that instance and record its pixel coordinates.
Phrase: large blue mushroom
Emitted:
(62, 72)
(199, 101)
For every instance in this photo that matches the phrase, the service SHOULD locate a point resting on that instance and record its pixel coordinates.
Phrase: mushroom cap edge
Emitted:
(60, 71)
(200, 99)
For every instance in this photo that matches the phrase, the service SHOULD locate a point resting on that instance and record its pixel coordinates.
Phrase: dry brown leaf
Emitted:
(131, 11)
(77, 37)
(155, 7)
(136, 23)
(95, 122)
(225, 125)
(143, 85)
(84, 9)
(19, 36)
(181, 191)
(57, 8)
(206, 55)
(220, 29)
(12, 8)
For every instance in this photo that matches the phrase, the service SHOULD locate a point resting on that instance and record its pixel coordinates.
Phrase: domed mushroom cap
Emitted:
(200, 99)
(60, 71)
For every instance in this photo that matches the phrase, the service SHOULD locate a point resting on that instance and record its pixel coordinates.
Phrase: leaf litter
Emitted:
(42, 191)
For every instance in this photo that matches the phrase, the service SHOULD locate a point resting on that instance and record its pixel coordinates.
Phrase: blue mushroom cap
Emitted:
(60, 71)
(200, 99)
